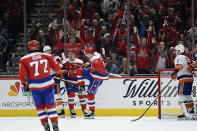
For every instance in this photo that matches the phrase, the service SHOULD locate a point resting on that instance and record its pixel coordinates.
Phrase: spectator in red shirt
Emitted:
(143, 58)
(73, 46)
(120, 40)
(89, 38)
(169, 35)
(173, 21)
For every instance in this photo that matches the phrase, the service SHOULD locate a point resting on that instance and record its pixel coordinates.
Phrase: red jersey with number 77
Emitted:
(35, 68)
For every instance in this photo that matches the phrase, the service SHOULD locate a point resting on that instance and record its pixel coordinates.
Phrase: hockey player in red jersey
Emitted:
(96, 74)
(58, 98)
(34, 74)
(74, 86)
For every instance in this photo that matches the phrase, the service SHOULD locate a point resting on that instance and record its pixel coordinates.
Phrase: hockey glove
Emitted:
(61, 72)
(80, 89)
(25, 87)
(174, 74)
(190, 67)
(85, 65)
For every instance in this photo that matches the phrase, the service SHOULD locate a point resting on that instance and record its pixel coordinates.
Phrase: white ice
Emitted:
(99, 124)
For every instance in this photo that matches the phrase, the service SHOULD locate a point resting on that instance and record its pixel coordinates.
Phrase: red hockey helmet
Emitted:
(33, 45)
(88, 50)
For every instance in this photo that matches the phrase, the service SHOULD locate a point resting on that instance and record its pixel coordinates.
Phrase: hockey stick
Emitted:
(58, 78)
(194, 74)
(152, 102)
(110, 74)
(115, 75)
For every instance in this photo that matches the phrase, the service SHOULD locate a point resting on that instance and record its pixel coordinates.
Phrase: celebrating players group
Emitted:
(41, 73)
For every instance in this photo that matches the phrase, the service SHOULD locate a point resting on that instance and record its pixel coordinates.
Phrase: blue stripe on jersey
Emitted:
(52, 112)
(59, 99)
(41, 114)
(187, 102)
(184, 76)
(40, 80)
(91, 103)
(72, 79)
(82, 101)
(71, 100)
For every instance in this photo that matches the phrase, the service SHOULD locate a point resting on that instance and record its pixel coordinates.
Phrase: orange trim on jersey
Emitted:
(186, 80)
(59, 103)
(181, 89)
(58, 88)
(189, 105)
(179, 67)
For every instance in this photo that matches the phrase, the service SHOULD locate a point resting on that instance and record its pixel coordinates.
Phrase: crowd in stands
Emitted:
(11, 23)
(156, 27)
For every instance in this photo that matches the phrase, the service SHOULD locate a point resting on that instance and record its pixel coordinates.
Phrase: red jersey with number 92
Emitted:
(35, 68)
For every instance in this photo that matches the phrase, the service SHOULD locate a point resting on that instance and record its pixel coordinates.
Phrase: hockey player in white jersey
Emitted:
(58, 98)
(183, 73)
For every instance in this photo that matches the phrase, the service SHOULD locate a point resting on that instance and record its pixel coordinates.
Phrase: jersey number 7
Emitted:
(37, 65)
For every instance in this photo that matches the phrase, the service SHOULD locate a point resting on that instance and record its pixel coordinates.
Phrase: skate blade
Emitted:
(61, 116)
(89, 118)
(73, 116)
(188, 118)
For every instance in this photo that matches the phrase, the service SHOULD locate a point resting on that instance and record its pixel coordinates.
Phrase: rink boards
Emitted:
(126, 96)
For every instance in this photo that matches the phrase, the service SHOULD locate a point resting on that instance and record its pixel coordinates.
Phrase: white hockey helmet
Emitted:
(46, 48)
(57, 58)
(179, 49)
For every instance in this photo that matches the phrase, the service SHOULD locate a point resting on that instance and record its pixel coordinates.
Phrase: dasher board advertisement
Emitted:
(129, 94)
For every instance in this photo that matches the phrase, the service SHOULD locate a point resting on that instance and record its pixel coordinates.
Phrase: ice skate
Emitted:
(72, 114)
(191, 111)
(61, 114)
(90, 115)
(182, 116)
(46, 126)
(55, 126)
(84, 113)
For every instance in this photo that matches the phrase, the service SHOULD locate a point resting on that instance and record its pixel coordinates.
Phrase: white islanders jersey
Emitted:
(181, 63)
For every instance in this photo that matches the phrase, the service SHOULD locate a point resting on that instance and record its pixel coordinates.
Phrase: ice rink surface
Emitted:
(99, 124)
